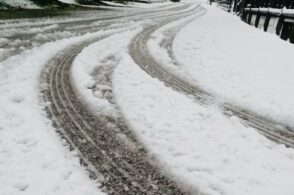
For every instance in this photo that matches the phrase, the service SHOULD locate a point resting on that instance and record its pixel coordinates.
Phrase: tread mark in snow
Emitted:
(272, 130)
(120, 169)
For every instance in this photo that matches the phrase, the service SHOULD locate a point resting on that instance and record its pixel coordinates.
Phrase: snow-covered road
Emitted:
(122, 99)
(102, 143)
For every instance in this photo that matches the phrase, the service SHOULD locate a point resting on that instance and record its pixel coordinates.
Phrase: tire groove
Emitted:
(273, 130)
(124, 171)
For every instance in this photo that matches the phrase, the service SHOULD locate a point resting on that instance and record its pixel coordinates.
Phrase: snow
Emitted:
(239, 64)
(33, 158)
(114, 4)
(101, 53)
(288, 11)
(68, 1)
(159, 37)
(152, 5)
(3, 41)
(197, 145)
(22, 3)
(273, 10)
(30, 5)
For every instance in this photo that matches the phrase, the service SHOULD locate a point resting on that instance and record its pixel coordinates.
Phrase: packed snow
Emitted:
(22, 3)
(68, 1)
(197, 145)
(161, 37)
(33, 158)
(114, 4)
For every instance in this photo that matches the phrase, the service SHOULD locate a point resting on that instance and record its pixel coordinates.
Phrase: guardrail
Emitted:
(276, 16)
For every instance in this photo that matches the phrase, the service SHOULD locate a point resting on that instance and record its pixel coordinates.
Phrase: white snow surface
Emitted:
(101, 53)
(160, 53)
(22, 3)
(197, 145)
(273, 10)
(239, 63)
(114, 4)
(33, 158)
(68, 1)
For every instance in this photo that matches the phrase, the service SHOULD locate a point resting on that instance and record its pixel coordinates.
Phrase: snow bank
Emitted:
(68, 1)
(239, 63)
(22, 3)
(114, 4)
(94, 56)
(33, 159)
(198, 145)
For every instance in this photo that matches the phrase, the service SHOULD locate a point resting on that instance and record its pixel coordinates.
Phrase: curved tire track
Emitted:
(118, 168)
(26, 39)
(271, 129)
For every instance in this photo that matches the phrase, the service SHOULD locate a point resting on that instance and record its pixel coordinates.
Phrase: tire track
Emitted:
(86, 26)
(273, 130)
(120, 170)
(100, 141)
(24, 39)
(92, 19)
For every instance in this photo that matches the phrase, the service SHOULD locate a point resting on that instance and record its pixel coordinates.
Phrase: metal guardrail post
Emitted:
(257, 19)
(285, 32)
(230, 5)
(235, 5)
(243, 11)
(249, 16)
(267, 20)
(291, 35)
(280, 24)
(244, 8)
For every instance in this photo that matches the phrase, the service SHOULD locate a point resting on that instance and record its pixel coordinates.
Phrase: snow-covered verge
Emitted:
(90, 59)
(33, 159)
(132, 5)
(149, 5)
(114, 4)
(240, 64)
(28, 4)
(21, 3)
(197, 145)
(68, 1)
